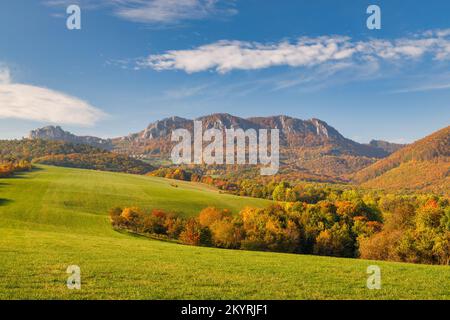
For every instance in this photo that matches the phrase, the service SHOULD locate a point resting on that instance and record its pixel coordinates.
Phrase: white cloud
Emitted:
(157, 11)
(21, 101)
(225, 56)
(167, 11)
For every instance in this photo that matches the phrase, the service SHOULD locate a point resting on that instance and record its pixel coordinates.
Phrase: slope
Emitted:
(56, 217)
(423, 165)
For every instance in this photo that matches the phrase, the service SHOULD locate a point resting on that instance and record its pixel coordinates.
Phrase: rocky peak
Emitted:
(49, 133)
(325, 130)
(162, 128)
(225, 120)
(57, 133)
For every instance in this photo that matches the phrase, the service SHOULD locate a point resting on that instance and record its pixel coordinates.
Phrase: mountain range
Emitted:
(309, 150)
(309, 146)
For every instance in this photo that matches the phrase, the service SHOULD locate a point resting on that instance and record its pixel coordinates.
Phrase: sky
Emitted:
(135, 61)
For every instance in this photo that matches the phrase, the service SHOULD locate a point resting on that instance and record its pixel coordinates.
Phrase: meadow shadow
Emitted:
(4, 202)
(22, 174)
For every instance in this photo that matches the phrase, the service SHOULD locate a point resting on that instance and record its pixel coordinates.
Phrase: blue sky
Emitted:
(136, 61)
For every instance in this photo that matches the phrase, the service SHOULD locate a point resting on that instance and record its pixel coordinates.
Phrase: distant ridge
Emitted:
(311, 146)
(294, 132)
(56, 133)
(386, 146)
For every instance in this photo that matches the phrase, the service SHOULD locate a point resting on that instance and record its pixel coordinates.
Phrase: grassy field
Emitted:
(55, 217)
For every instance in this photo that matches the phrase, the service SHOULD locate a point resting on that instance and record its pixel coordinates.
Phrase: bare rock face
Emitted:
(163, 128)
(49, 133)
(57, 133)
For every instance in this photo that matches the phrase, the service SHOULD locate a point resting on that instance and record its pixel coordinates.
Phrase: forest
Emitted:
(404, 228)
(65, 154)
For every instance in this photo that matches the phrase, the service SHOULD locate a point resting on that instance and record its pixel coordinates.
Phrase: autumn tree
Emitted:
(133, 218)
(210, 215)
(194, 234)
(227, 233)
(336, 241)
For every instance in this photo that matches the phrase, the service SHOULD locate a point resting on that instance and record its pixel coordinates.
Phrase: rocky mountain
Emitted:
(293, 132)
(56, 133)
(423, 165)
(309, 146)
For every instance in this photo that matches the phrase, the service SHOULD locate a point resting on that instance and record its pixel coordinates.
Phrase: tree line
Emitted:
(397, 228)
(7, 169)
(60, 153)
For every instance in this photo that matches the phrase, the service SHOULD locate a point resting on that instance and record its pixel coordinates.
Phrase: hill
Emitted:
(423, 165)
(55, 217)
(70, 155)
(386, 146)
(309, 148)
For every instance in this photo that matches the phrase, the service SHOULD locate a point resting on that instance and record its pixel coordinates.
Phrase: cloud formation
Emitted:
(21, 101)
(157, 11)
(167, 11)
(225, 56)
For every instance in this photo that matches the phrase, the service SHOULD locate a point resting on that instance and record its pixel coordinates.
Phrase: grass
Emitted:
(55, 217)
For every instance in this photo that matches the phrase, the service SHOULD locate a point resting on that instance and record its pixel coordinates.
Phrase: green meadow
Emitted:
(55, 217)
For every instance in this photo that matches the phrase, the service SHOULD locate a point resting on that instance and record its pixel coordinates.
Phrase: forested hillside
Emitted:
(423, 165)
(65, 154)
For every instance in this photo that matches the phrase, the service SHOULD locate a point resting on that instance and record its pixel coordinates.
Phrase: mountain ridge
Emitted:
(58, 134)
(161, 128)
(305, 145)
